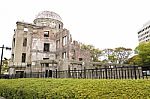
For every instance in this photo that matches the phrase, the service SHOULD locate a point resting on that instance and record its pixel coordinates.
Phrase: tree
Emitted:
(117, 55)
(5, 66)
(95, 52)
(135, 60)
(122, 54)
(143, 50)
(109, 55)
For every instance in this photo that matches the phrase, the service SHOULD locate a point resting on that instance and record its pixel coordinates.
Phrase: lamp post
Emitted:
(7, 48)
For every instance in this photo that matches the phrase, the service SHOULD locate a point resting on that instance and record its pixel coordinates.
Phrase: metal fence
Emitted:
(130, 72)
(123, 72)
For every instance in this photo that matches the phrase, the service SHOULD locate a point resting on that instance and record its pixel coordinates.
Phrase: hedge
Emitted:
(74, 89)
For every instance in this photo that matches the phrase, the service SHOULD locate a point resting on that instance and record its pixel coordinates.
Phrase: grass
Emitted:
(74, 89)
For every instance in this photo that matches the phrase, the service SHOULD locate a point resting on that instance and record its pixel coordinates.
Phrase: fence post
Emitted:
(111, 73)
(24, 75)
(84, 72)
(38, 74)
(30, 71)
(119, 73)
(122, 72)
(116, 76)
(146, 75)
(105, 72)
(135, 72)
(128, 71)
(69, 74)
(75, 73)
(78, 73)
(140, 72)
(92, 73)
(131, 72)
(125, 72)
(56, 73)
(81, 72)
(96, 73)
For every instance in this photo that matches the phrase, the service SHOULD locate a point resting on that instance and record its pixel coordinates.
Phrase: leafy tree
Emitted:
(109, 55)
(95, 52)
(117, 55)
(122, 54)
(135, 60)
(4, 66)
(143, 50)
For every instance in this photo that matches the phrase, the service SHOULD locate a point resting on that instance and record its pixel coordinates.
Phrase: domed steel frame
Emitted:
(49, 14)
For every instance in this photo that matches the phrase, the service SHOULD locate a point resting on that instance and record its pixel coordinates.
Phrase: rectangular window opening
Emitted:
(64, 55)
(46, 33)
(46, 64)
(14, 42)
(46, 47)
(59, 26)
(64, 40)
(12, 57)
(57, 44)
(23, 57)
(26, 29)
(25, 42)
(80, 59)
(45, 58)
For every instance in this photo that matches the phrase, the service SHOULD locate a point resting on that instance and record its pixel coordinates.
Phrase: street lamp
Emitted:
(7, 48)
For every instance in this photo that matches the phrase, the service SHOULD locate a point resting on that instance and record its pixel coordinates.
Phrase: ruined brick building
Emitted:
(45, 45)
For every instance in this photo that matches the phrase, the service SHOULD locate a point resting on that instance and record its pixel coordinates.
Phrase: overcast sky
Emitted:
(102, 23)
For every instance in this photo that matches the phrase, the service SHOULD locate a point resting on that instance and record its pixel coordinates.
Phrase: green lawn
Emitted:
(74, 88)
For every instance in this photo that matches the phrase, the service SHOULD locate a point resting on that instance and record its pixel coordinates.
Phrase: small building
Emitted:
(43, 46)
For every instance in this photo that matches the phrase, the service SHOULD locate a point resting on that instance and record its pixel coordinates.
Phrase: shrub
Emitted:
(73, 88)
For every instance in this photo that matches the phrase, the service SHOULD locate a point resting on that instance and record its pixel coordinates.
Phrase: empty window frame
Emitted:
(56, 56)
(59, 26)
(57, 44)
(80, 59)
(12, 57)
(26, 29)
(74, 54)
(64, 40)
(14, 42)
(46, 47)
(45, 58)
(25, 42)
(23, 57)
(46, 33)
(64, 55)
(46, 64)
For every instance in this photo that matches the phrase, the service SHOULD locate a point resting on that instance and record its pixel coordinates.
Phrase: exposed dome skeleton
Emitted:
(49, 14)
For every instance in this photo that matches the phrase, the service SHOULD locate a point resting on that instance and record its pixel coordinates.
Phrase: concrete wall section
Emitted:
(39, 56)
